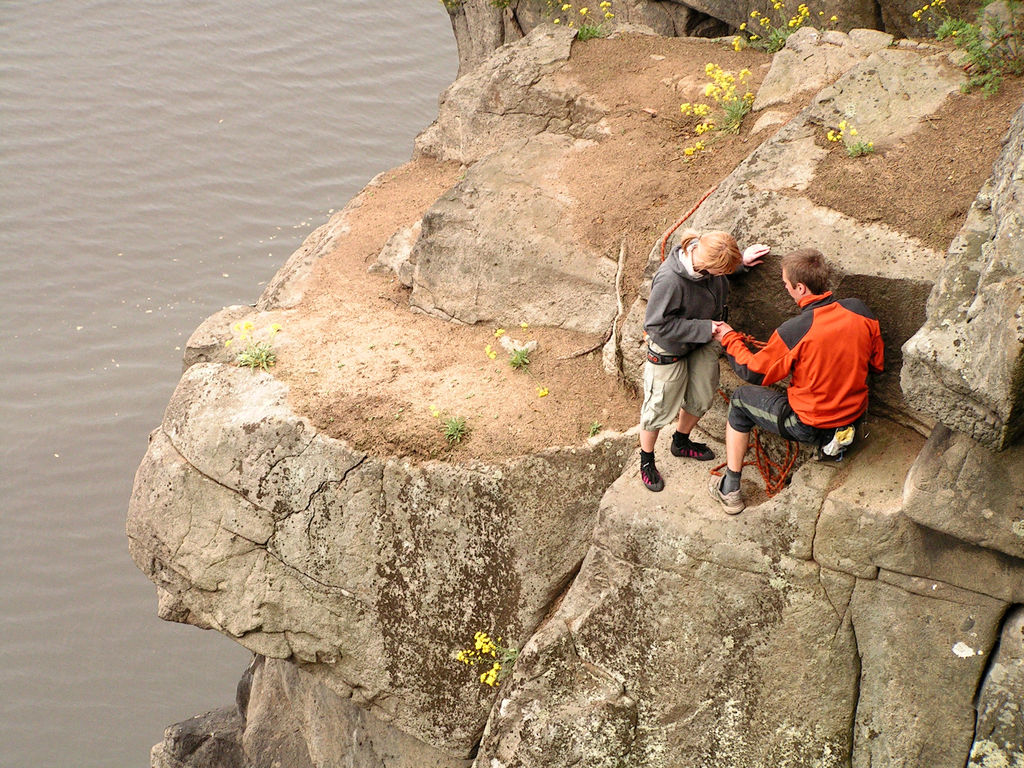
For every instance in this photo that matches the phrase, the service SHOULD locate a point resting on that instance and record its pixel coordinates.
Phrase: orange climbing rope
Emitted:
(775, 474)
(678, 224)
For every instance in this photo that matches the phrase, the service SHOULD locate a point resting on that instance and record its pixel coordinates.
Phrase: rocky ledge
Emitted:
(872, 613)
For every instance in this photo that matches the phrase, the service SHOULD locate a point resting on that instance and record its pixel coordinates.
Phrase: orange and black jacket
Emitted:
(828, 348)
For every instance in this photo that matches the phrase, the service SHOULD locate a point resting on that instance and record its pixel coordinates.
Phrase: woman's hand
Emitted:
(719, 329)
(754, 254)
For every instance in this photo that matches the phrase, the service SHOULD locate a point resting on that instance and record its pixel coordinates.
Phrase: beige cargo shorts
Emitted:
(689, 384)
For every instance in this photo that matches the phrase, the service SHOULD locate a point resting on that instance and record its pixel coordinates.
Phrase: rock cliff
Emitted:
(870, 614)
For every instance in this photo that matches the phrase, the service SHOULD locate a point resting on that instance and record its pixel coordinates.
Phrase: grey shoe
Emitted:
(651, 477)
(731, 502)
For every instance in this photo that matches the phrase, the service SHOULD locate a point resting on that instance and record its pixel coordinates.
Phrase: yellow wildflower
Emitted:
(542, 391)
(499, 333)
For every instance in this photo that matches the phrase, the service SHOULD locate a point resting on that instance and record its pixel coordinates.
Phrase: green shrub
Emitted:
(993, 44)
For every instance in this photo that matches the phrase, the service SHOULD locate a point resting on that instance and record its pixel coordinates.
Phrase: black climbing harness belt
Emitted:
(657, 359)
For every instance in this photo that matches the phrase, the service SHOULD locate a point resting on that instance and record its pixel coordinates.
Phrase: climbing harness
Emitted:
(659, 359)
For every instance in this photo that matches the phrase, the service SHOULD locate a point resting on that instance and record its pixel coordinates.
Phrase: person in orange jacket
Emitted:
(828, 348)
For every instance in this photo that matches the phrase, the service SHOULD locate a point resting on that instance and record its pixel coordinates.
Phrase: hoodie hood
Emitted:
(682, 262)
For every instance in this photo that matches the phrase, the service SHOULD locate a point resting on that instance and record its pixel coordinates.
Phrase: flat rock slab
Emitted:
(865, 525)
(923, 648)
(961, 488)
(515, 96)
(812, 60)
(500, 247)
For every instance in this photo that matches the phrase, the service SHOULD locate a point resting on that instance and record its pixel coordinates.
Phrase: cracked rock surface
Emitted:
(252, 523)
(745, 651)
(966, 364)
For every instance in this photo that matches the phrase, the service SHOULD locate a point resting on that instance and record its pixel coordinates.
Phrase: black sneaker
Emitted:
(651, 477)
(692, 450)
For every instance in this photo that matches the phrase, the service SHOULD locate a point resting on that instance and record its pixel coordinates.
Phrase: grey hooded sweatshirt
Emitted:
(681, 306)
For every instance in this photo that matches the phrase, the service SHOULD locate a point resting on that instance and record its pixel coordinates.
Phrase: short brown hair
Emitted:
(807, 266)
(721, 253)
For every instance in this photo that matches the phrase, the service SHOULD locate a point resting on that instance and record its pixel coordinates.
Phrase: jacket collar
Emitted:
(814, 301)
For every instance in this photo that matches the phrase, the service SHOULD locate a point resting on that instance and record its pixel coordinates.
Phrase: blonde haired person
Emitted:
(689, 294)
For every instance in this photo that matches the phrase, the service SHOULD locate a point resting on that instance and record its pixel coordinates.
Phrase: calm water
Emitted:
(157, 162)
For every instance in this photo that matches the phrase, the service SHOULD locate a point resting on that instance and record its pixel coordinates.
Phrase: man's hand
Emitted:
(754, 254)
(719, 329)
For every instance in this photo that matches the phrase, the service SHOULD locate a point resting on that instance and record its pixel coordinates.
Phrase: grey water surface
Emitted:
(157, 162)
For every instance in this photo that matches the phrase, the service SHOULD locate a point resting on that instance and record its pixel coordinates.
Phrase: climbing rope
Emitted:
(678, 224)
(775, 474)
